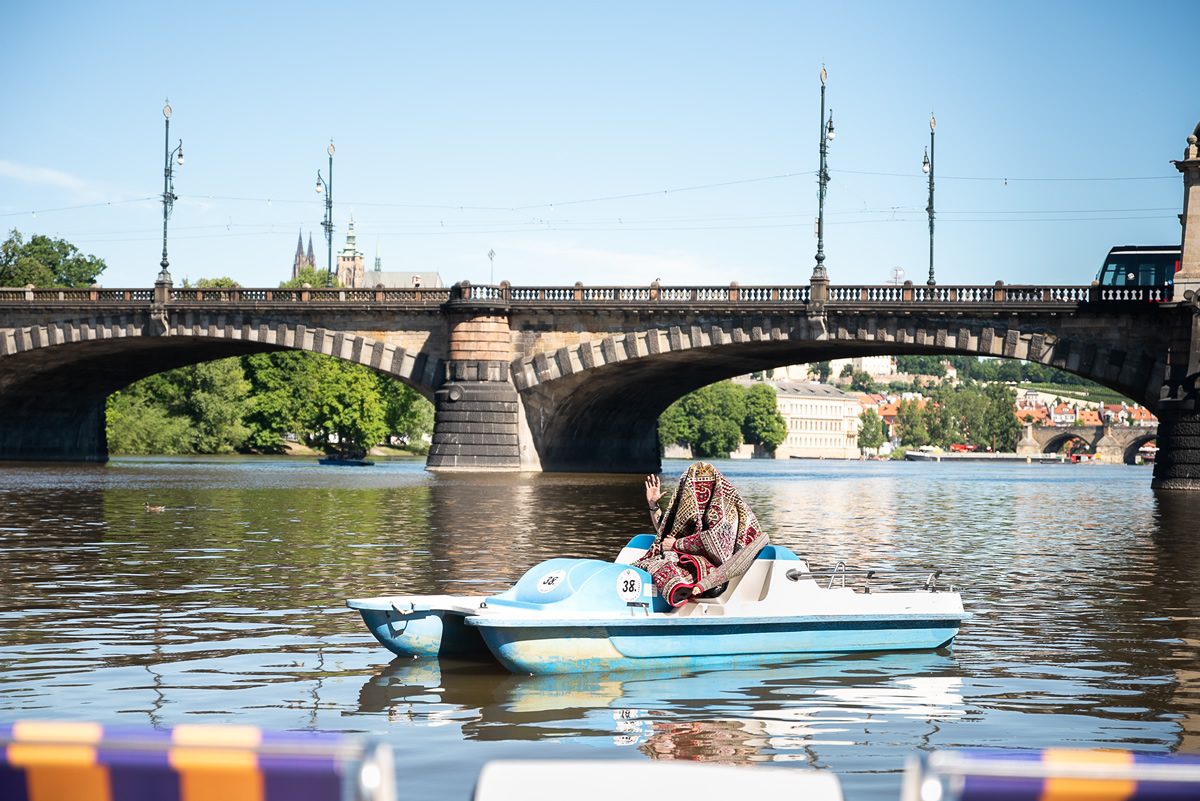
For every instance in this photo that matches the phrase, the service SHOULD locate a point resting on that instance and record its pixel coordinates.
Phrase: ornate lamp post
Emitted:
(327, 188)
(168, 196)
(823, 180)
(927, 167)
(492, 266)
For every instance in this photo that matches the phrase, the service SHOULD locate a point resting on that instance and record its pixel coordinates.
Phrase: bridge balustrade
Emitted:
(1145, 294)
(733, 294)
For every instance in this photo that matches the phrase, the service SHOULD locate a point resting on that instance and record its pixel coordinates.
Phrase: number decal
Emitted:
(551, 580)
(629, 585)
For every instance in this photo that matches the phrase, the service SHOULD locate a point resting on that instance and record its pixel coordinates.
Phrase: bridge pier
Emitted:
(1177, 465)
(1109, 450)
(476, 411)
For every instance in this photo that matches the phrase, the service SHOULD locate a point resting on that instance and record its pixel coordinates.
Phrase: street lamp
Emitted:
(927, 168)
(823, 180)
(327, 188)
(492, 265)
(168, 196)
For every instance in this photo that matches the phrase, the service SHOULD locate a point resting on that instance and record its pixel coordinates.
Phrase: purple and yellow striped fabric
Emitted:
(48, 761)
(1062, 774)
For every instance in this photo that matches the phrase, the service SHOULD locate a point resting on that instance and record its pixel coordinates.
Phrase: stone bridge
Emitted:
(550, 378)
(574, 378)
(1111, 444)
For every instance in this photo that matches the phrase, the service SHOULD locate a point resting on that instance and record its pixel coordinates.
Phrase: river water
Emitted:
(228, 608)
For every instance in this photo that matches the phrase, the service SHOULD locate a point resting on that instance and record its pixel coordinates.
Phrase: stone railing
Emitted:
(965, 295)
(657, 295)
(654, 295)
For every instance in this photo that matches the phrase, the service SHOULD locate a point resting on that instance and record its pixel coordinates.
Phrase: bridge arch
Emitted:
(596, 402)
(55, 377)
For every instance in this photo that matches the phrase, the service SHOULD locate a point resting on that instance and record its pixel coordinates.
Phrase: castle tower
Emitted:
(351, 264)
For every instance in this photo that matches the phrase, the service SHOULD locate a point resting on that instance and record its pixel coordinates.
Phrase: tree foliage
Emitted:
(254, 402)
(871, 435)
(716, 419)
(311, 276)
(966, 414)
(709, 420)
(763, 423)
(45, 262)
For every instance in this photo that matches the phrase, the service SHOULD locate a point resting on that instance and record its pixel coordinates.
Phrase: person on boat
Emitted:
(706, 536)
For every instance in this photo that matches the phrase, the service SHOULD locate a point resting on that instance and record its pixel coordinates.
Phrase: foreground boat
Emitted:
(570, 615)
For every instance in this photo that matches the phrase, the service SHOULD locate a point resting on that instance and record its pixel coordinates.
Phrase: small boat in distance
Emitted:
(580, 615)
(355, 459)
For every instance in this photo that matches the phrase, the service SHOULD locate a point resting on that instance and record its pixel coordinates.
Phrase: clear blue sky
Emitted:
(604, 142)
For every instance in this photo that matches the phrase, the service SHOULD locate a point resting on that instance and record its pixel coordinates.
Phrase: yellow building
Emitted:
(821, 420)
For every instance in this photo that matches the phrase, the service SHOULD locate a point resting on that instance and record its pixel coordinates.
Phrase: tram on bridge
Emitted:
(1141, 265)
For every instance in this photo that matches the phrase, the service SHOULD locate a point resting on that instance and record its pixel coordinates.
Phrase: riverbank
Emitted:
(975, 456)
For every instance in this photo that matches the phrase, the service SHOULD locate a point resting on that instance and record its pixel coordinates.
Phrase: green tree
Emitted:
(861, 381)
(348, 406)
(283, 388)
(960, 414)
(763, 423)
(1008, 370)
(871, 435)
(921, 365)
(136, 424)
(213, 283)
(709, 420)
(45, 262)
(822, 370)
(215, 398)
(910, 424)
(311, 276)
(194, 409)
(675, 427)
(1000, 423)
(406, 413)
(719, 410)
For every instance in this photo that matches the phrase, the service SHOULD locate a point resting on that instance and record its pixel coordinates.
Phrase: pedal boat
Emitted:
(581, 615)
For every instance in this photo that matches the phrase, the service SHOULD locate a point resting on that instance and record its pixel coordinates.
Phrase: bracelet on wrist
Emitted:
(655, 509)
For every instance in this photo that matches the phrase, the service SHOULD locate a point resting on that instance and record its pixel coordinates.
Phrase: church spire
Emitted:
(309, 258)
(298, 262)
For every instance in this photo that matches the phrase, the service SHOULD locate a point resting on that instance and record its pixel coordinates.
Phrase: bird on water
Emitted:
(150, 508)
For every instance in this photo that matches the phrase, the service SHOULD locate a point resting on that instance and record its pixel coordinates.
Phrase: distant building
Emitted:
(302, 260)
(351, 264)
(878, 367)
(403, 280)
(821, 420)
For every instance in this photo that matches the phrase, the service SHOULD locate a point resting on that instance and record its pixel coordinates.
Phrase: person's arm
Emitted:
(653, 494)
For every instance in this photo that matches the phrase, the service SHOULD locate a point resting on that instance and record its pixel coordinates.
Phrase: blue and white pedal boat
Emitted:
(575, 615)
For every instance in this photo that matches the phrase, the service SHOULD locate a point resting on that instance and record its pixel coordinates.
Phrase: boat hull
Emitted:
(418, 626)
(567, 647)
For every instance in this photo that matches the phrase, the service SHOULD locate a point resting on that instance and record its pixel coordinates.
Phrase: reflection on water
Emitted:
(228, 607)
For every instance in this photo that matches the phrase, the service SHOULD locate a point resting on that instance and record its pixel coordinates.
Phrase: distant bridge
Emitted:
(1111, 444)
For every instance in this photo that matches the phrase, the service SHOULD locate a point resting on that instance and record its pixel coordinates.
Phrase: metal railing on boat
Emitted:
(841, 571)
